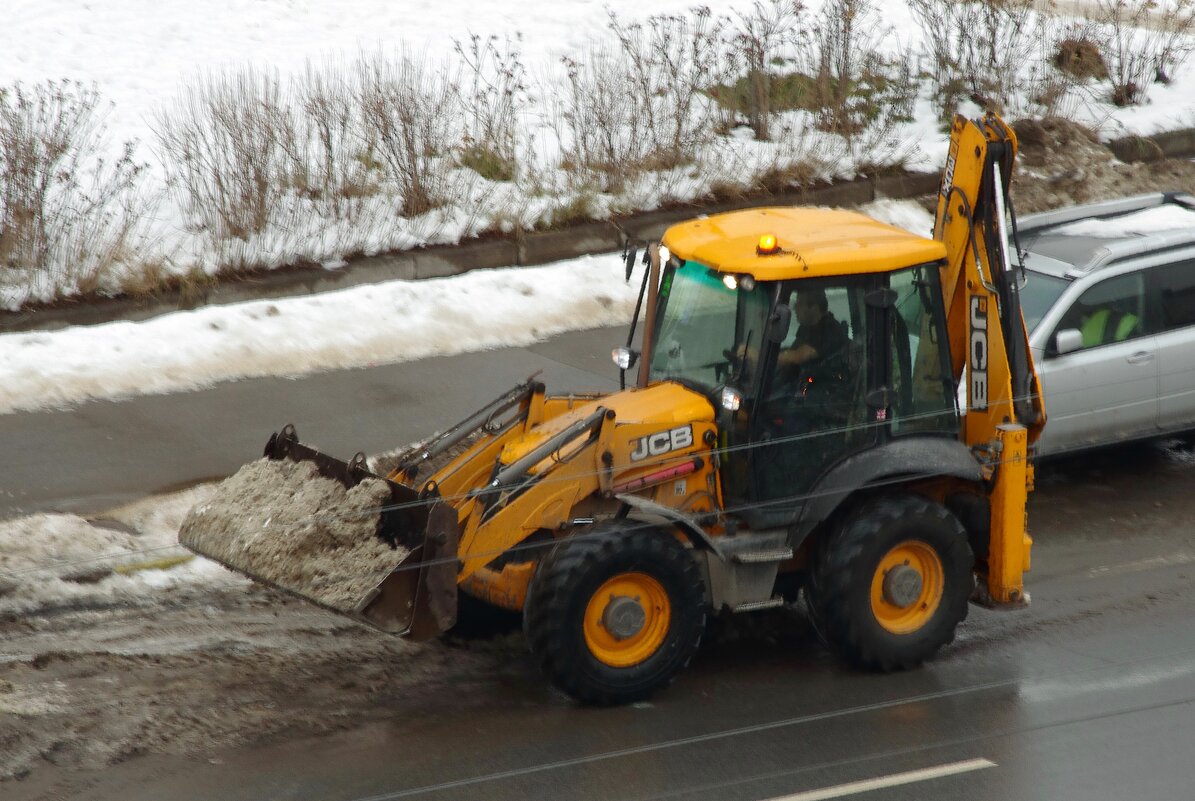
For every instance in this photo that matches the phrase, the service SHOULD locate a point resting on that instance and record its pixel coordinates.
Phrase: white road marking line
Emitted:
(894, 780)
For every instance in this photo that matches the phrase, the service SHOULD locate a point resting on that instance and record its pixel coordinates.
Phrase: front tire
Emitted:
(615, 612)
(892, 584)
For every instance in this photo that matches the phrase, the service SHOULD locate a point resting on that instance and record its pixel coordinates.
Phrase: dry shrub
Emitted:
(332, 163)
(599, 123)
(230, 145)
(495, 98)
(271, 171)
(1144, 42)
(767, 36)
(640, 105)
(671, 61)
(412, 109)
(860, 94)
(68, 216)
(986, 51)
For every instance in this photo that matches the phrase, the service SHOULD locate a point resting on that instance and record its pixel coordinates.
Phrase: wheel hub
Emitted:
(902, 586)
(624, 617)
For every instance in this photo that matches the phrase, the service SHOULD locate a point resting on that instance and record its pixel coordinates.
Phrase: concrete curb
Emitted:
(523, 249)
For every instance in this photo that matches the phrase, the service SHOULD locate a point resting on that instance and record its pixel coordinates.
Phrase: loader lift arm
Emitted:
(1004, 414)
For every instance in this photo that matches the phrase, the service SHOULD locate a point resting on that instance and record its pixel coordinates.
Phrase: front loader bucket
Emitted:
(386, 555)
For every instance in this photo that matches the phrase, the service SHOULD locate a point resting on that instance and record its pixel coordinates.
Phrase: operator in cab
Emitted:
(819, 335)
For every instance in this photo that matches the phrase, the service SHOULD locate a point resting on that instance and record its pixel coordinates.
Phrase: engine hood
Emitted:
(666, 404)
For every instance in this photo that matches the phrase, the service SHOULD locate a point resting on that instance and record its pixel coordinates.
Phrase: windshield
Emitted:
(1040, 293)
(701, 322)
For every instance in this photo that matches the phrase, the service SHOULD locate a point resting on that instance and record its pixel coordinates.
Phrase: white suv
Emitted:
(1109, 300)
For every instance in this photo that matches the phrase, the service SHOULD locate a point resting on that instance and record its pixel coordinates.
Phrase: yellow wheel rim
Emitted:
(906, 588)
(626, 620)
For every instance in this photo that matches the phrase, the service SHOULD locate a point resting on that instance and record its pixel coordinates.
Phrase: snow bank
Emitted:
(50, 561)
(363, 326)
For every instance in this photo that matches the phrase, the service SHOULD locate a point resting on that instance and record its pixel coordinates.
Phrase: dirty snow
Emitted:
(123, 556)
(98, 666)
(285, 523)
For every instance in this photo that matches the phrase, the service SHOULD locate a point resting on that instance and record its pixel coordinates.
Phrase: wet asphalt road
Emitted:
(1090, 694)
(104, 453)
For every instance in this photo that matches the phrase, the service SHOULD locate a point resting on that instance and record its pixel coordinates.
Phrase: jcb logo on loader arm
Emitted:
(978, 369)
(948, 177)
(662, 442)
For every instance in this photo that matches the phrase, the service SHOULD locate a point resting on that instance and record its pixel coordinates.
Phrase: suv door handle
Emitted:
(1140, 357)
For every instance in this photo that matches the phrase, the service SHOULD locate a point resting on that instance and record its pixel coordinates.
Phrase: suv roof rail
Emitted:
(1037, 223)
(1123, 249)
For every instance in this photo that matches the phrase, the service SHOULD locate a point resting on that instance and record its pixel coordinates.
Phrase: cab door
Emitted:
(805, 420)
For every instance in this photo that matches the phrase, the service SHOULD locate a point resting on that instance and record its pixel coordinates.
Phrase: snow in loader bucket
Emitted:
(335, 534)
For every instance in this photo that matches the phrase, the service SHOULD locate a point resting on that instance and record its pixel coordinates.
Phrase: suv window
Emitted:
(1175, 288)
(1111, 311)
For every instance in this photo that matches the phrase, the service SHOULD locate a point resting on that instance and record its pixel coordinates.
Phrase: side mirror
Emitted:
(629, 254)
(1068, 340)
(781, 321)
(624, 358)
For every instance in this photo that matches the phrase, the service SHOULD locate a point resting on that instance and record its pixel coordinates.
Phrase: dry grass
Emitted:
(1143, 42)
(68, 216)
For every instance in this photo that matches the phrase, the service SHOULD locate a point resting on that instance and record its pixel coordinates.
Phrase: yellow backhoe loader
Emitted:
(755, 457)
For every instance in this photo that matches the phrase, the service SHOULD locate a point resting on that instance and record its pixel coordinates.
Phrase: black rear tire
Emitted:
(566, 586)
(851, 607)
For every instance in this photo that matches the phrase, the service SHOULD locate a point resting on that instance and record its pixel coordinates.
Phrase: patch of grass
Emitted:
(1080, 58)
(487, 163)
(789, 92)
(150, 278)
(578, 209)
(726, 191)
(781, 178)
(865, 99)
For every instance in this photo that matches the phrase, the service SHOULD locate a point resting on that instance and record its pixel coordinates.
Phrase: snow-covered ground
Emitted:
(395, 321)
(141, 54)
(49, 561)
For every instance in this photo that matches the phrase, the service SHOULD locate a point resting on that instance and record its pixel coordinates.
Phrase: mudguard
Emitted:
(908, 456)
